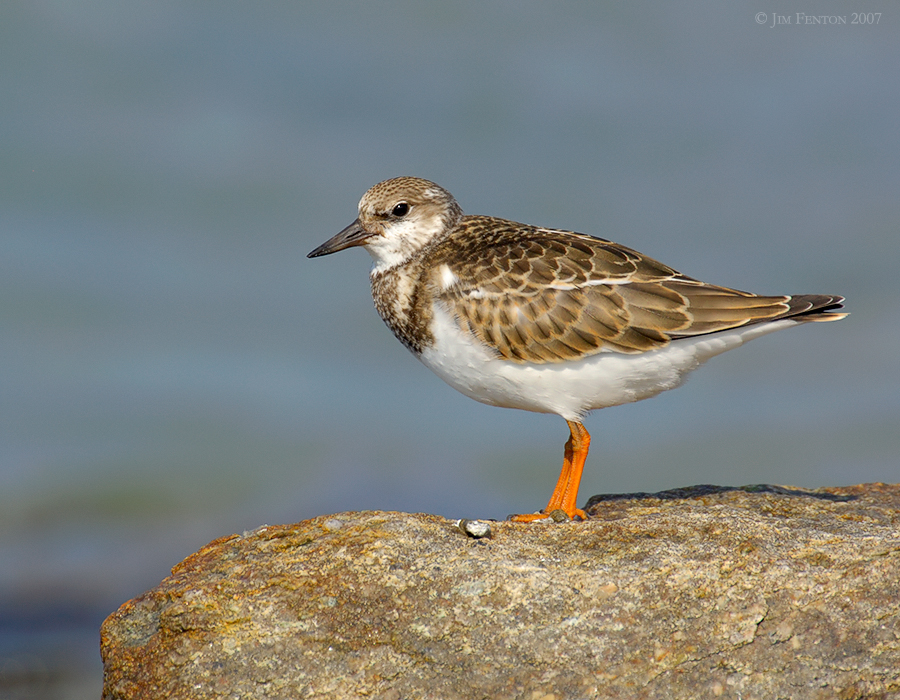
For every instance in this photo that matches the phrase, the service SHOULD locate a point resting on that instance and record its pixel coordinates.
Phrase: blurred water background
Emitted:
(173, 369)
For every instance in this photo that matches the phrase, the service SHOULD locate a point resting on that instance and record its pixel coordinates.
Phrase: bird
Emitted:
(543, 319)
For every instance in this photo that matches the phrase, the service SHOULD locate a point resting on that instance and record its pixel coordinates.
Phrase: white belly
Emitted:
(571, 389)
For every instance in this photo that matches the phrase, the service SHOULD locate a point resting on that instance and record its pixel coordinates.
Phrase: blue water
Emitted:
(173, 369)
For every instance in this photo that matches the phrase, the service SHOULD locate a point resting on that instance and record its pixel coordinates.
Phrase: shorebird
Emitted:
(547, 320)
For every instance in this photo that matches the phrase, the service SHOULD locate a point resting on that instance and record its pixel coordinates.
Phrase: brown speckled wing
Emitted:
(542, 295)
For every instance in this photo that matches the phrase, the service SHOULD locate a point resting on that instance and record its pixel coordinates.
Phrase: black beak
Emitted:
(351, 236)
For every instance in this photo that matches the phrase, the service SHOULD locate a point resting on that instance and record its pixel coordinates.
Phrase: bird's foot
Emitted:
(557, 515)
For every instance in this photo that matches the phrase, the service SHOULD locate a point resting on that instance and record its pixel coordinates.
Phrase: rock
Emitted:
(761, 592)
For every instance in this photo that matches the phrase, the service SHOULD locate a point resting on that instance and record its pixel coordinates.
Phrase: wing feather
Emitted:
(544, 296)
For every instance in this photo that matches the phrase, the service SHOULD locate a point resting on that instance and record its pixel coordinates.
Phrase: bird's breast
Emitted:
(400, 300)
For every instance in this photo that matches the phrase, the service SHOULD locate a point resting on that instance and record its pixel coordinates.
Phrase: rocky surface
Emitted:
(764, 592)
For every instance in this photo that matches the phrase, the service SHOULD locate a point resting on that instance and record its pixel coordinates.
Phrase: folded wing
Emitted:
(550, 296)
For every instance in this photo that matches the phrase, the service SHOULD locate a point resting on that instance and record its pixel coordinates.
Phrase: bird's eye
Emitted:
(400, 209)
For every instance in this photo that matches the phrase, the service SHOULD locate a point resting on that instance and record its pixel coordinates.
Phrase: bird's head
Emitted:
(397, 218)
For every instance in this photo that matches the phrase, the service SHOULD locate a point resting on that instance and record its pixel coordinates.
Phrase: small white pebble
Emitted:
(474, 528)
(255, 531)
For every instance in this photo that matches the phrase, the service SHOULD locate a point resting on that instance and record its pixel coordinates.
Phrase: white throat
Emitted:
(401, 241)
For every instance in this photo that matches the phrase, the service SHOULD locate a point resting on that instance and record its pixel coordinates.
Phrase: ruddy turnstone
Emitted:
(546, 320)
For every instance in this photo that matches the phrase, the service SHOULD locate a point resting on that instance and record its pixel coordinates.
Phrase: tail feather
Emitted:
(815, 308)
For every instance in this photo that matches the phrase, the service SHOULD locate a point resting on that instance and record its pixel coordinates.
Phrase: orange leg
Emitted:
(565, 495)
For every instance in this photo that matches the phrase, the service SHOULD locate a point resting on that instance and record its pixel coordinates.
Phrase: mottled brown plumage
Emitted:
(542, 295)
